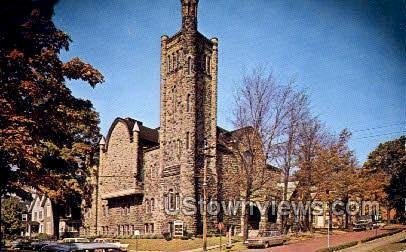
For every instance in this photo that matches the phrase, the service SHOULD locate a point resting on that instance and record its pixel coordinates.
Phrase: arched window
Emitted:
(177, 201)
(188, 103)
(208, 59)
(172, 200)
(174, 98)
(189, 65)
(166, 201)
(176, 59)
(173, 61)
(147, 206)
(178, 148)
(152, 204)
(187, 140)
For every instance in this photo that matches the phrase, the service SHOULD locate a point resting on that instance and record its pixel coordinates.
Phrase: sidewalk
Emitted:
(365, 247)
(191, 250)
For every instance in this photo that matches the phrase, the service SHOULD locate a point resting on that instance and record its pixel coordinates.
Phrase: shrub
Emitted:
(43, 236)
(157, 236)
(167, 236)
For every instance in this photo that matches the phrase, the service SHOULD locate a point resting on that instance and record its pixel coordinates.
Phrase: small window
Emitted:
(178, 148)
(152, 204)
(188, 103)
(147, 206)
(166, 201)
(174, 61)
(172, 200)
(177, 59)
(189, 67)
(174, 98)
(187, 140)
(208, 59)
(177, 201)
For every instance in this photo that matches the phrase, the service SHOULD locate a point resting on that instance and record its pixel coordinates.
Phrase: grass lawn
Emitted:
(173, 245)
(398, 246)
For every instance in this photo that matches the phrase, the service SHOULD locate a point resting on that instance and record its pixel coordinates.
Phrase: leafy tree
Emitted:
(328, 166)
(11, 210)
(47, 136)
(389, 161)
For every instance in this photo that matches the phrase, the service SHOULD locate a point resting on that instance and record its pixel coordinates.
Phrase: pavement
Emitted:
(365, 247)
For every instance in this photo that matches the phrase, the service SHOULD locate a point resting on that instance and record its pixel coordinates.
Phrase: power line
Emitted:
(371, 136)
(379, 127)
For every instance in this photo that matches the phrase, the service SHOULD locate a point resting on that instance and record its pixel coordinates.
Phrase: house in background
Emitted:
(40, 216)
(40, 219)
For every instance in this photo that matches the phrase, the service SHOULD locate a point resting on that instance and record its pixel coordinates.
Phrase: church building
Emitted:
(148, 179)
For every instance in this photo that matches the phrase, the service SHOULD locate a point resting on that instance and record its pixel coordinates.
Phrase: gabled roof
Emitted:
(147, 135)
(32, 204)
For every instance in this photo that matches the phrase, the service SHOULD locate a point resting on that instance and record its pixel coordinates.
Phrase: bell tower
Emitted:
(188, 117)
(189, 14)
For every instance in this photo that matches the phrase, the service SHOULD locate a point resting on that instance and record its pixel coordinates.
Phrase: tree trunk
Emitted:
(245, 231)
(346, 220)
(330, 217)
(246, 210)
(284, 218)
(388, 209)
(56, 217)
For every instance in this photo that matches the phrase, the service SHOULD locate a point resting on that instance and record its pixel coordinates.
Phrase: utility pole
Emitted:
(1, 226)
(96, 220)
(206, 156)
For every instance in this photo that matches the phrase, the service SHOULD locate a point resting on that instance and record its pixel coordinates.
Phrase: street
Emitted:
(317, 243)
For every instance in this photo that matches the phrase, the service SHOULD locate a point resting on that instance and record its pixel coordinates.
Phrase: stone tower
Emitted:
(188, 114)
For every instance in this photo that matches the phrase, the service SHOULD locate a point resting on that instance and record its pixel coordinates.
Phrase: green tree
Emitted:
(389, 159)
(47, 136)
(11, 210)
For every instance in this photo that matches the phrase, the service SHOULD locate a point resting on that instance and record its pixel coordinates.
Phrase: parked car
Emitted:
(112, 241)
(21, 244)
(378, 224)
(81, 247)
(37, 245)
(75, 240)
(362, 224)
(266, 239)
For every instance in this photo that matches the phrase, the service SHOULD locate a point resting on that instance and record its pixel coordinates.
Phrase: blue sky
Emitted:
(349, 55)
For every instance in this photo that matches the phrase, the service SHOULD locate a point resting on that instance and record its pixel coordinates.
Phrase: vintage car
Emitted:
(362, 224)
(81, 247)
(21, 244)
(75, 240)
(37, 245)
(266, 239)
(112, 241)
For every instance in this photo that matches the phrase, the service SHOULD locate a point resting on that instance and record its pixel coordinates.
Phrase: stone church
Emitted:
(146, 176)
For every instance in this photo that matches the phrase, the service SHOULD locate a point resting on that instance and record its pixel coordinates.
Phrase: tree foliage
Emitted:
(47, 135)
(386, 166)
(12, 209)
